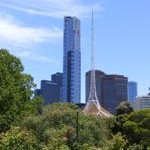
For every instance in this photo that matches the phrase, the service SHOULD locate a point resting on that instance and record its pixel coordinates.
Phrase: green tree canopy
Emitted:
(124, 108)
(137, 127)
(15, 89)
(18, 139)
(58, 125)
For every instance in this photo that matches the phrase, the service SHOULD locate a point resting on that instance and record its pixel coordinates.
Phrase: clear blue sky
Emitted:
(33, 30)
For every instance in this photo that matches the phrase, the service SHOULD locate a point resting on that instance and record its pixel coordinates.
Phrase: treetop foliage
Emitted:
(124, 108)
(58, 122)
(15, 89)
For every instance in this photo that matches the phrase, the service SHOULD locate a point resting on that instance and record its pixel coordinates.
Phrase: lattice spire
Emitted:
(93, 94)
(93, 105)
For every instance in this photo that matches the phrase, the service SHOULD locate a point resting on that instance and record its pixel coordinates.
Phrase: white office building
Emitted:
(142, 102)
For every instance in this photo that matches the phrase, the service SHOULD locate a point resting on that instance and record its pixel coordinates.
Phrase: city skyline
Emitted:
(122, 33)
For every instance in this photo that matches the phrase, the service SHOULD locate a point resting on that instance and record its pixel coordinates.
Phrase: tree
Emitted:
(122, 112)
(137, 128)
(117, 142)
(57, 126)
(15, 89)
(135, 147)
(19, 139)
(124, 108)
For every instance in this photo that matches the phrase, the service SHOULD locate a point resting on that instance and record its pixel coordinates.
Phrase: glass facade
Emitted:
(57, 78)
(51, 91)
(111, 89)
(132, 91)
(114, 91)
(98, 79)
(71, 61)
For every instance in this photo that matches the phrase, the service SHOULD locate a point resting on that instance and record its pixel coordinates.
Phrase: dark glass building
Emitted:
(111, 89)
(98, 76)
(37, 92)
(51, 91)
(114, 91)
(57, 78)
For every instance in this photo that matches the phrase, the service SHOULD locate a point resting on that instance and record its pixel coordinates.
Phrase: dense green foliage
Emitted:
(18, 139)
(58, 125)
(135, 128)
(15, 90)
(25, 124)
(124, 108)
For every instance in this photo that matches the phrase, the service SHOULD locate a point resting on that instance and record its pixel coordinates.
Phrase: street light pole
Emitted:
(77, 127)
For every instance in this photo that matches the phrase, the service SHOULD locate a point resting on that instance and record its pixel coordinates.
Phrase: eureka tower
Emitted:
(71, 60)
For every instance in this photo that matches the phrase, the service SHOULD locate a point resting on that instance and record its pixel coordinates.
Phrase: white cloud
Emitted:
(12, 32)
(34, 57)
(53, 8)
(15, 35)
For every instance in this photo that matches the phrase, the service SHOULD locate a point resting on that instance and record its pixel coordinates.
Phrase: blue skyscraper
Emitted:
(57, 78)
(51, 91)
(132, 91)
(71, 60)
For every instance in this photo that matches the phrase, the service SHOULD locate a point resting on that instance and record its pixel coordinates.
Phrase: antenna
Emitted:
(93, 106)
(92, 42)
(93, 94)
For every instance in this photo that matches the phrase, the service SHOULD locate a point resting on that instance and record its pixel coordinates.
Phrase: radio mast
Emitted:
(93, 106)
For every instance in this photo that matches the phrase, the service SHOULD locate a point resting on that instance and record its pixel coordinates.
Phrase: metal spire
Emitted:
(93, 94)
(93, 106)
